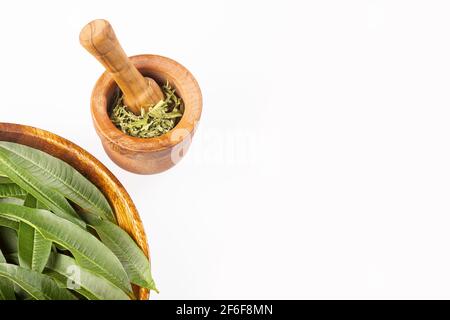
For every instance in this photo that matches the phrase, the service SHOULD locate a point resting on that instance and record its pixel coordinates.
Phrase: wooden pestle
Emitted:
(99, 39)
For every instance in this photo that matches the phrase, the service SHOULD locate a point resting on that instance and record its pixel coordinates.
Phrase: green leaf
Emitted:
(58, 175)
(12, 200)
(39, 286)
(11, 190)
(5, 179)
(61, 281)
(83, 281)
(6, 286)
(89, 252)
(34, 249)
(30, 178)
(30, 202)
(134, 261)
(5, 222)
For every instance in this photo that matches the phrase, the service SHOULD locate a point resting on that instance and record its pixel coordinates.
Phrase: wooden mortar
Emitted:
(148, 155)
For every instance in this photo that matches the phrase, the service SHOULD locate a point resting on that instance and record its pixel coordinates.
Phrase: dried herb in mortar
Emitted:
(153, 122)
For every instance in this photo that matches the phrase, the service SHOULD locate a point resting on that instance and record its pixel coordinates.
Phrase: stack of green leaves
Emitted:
(49, 249)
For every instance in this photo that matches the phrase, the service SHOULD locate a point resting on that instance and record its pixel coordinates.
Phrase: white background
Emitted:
(321, 167)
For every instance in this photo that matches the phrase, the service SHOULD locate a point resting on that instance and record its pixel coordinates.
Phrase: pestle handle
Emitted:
(99, 39)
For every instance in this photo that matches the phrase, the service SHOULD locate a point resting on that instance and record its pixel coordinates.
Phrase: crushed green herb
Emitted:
(153, 122)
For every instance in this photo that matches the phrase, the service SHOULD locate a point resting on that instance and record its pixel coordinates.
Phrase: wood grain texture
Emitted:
(151, 155)
(121, 203)
(99, 39)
